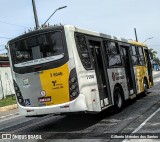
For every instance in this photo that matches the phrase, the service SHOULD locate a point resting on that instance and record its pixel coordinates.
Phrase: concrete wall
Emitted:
(6, 82)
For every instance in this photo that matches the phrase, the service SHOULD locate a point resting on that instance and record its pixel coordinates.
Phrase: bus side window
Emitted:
(113, 54)
(141, 56)
(135, 59)
(83, 52)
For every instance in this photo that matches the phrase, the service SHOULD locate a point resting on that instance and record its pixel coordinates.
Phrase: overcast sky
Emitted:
(114, 17)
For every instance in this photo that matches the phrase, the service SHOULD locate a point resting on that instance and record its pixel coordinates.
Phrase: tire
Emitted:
(145, 87)
(118, 99)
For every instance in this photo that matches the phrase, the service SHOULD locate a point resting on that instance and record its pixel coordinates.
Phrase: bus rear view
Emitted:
(42, 74)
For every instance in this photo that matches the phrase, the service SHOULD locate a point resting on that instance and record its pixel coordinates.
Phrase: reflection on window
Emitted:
(112, 48)
(113, 54)
(36, 47)
(134, 50)
(141, 56)
(114, 60)
(135, 58)
(140, 50)
(83, 51)
(56, 47)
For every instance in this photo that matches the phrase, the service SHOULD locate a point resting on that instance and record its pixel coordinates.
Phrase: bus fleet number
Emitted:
(90, 76)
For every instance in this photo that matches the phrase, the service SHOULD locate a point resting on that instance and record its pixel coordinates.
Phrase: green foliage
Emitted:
(9, 100)
(154, 55)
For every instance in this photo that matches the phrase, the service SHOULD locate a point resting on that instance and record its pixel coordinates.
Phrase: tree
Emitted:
(156, 60)
(153, 53)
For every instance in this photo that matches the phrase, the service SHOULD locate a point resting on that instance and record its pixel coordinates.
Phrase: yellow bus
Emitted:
(67, 69)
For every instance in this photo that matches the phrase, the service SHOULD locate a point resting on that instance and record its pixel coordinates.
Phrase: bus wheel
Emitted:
(118, 99)
(145, 87)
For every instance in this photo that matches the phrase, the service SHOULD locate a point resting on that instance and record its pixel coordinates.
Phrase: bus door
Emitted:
(101, 72)
(127, 61)
(149, 66)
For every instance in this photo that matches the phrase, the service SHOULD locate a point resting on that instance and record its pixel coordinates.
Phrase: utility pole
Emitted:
(136, 34)
(35, 14)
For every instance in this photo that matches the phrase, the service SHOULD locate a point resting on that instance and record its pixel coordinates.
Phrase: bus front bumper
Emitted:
(77, 105)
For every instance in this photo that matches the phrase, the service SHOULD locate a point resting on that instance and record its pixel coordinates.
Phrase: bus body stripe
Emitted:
(55, 83)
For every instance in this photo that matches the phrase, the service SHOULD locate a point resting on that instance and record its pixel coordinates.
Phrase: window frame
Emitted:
(105, 43)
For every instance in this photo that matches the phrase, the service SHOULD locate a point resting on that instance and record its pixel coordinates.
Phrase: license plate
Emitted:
(44, 99)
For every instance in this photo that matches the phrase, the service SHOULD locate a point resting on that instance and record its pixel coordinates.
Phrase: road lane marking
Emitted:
(139, 127)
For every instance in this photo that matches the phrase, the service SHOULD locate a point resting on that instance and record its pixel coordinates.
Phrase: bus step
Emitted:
(132, 96)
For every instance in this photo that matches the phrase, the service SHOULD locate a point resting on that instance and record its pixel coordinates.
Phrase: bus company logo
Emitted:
(25, 82)
(113, 76)
(117, 76)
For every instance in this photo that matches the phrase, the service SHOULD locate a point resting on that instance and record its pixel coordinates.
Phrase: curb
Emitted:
(6, 108)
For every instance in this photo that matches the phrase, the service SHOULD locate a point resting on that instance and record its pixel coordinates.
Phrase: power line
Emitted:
(13, 24)
(2, 49)
(6, 37)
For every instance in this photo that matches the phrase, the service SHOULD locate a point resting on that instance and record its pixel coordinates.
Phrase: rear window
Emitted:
(37, 49)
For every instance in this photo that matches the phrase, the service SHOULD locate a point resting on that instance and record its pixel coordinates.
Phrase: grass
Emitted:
(9, 100)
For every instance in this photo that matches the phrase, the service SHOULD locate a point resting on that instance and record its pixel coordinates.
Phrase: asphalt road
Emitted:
(140, 116)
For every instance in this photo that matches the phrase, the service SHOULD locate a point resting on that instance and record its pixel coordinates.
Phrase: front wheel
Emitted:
(118, 99)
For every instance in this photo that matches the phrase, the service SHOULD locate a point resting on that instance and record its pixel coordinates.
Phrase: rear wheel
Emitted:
(145, 87)
(118, 99)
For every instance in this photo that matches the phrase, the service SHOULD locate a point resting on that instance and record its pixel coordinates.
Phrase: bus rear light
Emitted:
(74, 94)
(16, 88)
(73, 87)
(73, 83)
(73, 79)
(18, 93)
(20, 100)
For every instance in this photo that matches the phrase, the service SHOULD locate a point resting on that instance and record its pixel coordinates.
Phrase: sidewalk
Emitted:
(156, 72)
(6, 108)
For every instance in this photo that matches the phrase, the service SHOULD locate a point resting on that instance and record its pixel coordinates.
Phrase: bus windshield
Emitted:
(37, 49)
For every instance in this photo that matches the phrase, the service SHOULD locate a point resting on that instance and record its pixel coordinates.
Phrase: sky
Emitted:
(113, 17)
